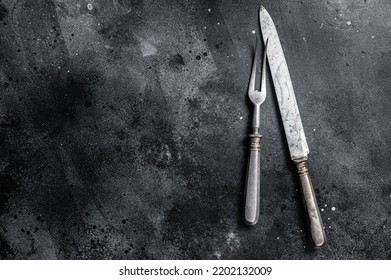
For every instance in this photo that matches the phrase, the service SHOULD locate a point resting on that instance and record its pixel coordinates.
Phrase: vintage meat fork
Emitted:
(252, 188)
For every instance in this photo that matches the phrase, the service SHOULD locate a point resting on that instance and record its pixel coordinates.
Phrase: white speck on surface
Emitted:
(322, 209)
(321, 25)
(233, 241)
(218, 23)
(278, 238)
(240, 118)
(147, 48)
(340, 15)
(204, 27)
(304, 39)
(384, 226)
(328, 219)
(325, 205)
(166, 153)
(333, 208)
(129, 11)
(349, 22)
(329, 226)
(209, 10)
(89, 6)
(217, 254)
(304, 246)
(373, 37)
(253, 32)
(314, 129)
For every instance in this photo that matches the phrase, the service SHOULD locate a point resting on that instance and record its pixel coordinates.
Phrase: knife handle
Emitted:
(314, 219)
(252, 187)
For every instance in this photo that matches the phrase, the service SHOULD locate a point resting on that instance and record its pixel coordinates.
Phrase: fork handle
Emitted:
(252, 187)
(314, 219)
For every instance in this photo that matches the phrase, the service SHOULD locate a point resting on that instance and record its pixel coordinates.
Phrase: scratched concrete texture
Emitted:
(123, 129)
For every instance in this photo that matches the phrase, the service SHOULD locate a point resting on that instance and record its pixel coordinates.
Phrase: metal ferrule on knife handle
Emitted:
(252, 188)
(314, 218)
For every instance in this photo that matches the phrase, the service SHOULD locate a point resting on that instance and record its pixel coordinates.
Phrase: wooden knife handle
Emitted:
(252, 187)
(314, 219)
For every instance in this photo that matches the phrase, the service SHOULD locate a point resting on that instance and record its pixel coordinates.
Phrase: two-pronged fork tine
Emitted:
(263, 79)
(252, 188)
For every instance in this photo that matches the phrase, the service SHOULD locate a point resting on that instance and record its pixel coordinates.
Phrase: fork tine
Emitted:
(254, 69)
(263, 79)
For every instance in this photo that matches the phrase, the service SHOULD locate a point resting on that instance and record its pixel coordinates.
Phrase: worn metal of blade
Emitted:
(293, 126)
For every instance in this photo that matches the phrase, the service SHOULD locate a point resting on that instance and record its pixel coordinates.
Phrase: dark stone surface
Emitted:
(123, 129)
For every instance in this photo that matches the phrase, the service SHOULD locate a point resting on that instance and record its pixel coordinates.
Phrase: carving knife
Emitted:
(293, 126)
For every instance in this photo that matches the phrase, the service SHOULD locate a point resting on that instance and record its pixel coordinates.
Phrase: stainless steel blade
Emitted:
(293, 127)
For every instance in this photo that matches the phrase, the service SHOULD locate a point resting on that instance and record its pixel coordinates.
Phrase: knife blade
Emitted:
(293, 126)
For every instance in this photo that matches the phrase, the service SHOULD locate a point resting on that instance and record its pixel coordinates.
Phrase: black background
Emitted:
(123, 129)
